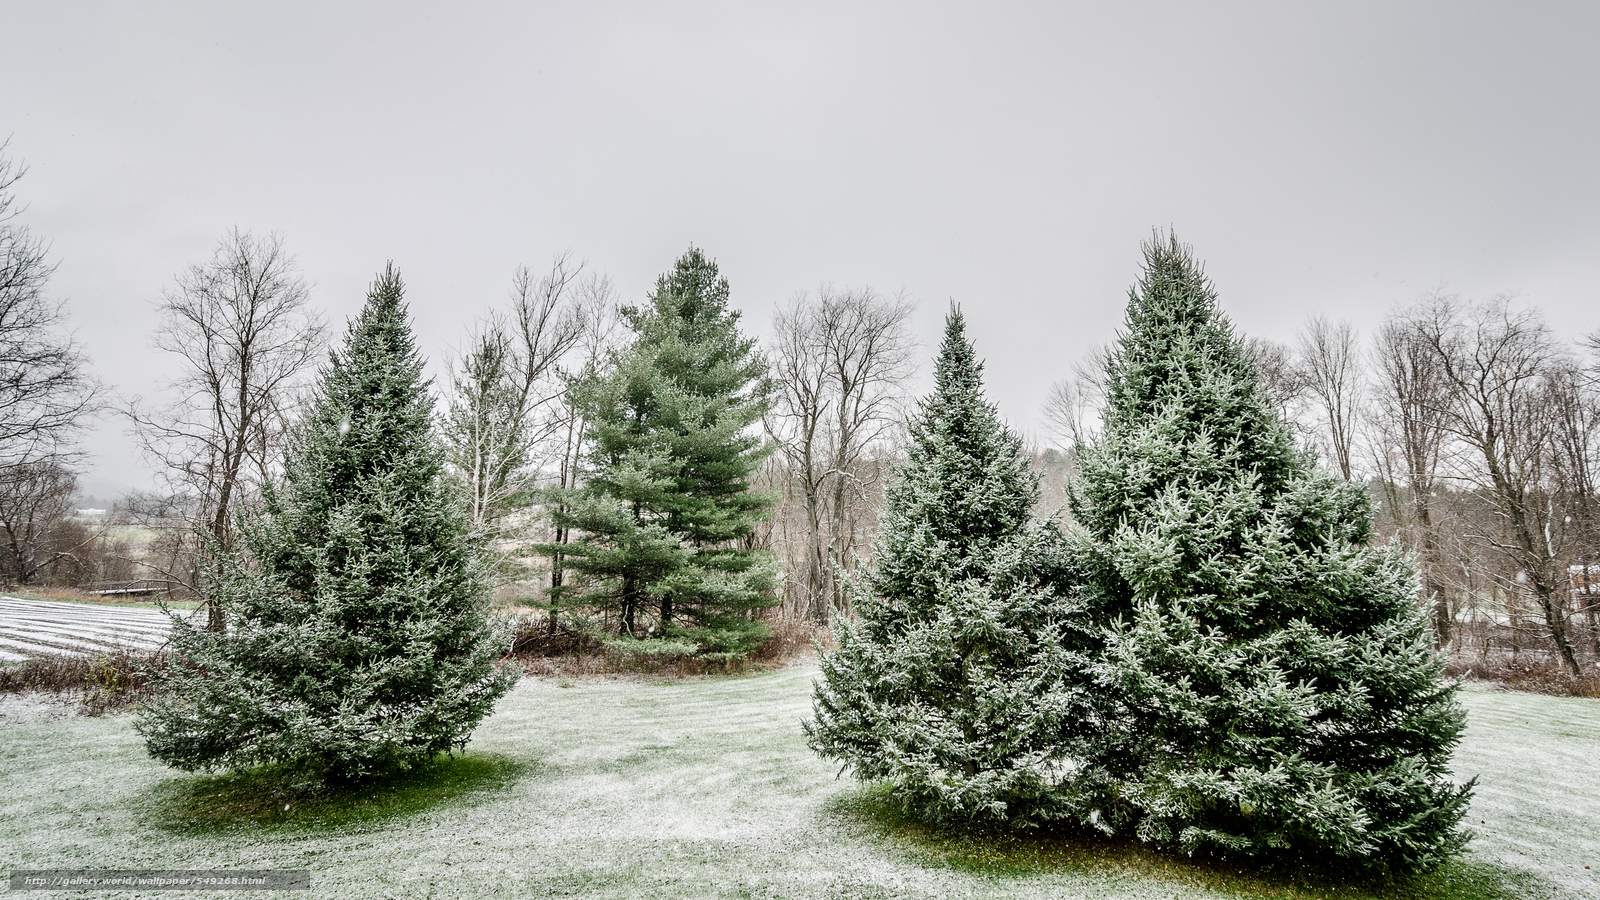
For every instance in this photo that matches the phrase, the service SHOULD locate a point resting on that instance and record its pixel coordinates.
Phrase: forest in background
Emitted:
(1474, 427)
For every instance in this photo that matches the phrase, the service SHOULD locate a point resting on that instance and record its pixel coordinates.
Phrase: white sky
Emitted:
(1334, 158)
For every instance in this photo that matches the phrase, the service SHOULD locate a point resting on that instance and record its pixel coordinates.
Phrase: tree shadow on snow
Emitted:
(277, 796)
(872, 811)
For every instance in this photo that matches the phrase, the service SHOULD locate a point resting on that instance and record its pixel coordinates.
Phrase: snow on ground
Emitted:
(47, 628)
(1537, 804)
(703, 788)
(33, 708)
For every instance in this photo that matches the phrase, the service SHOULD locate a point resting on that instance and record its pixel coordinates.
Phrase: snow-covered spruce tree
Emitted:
(667, 506)
(1267, 678)
(954, 685)
(359, 641)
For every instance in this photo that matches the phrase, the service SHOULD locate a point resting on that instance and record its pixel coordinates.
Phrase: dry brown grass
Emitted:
(78, 595)
(70, 595)
(570, 652)
(101, 682)
(1532, 672)
(793, 641)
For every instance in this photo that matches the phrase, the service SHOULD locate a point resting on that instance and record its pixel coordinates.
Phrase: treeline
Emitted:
(1477, 430)
(629, 471)
(1212, 657)
(1471, 423)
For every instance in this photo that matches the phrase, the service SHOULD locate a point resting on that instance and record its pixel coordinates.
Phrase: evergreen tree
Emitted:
(359, 640)
(1266, 677)
(667, 511)
(955, 685)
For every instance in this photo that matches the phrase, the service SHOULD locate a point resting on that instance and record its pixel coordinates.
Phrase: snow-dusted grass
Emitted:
(1537, 805)
(629, 788)
(30, 627)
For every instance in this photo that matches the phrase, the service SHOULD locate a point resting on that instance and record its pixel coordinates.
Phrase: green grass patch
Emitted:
(281, 797)
(1018, 856)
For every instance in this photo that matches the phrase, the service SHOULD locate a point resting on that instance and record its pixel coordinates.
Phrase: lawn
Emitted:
(703, 788)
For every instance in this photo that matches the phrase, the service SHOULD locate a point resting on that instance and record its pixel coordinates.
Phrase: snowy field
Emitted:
(625, 788)
(50, 628)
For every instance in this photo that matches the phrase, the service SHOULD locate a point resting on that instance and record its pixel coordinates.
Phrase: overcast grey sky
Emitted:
(1336, 158)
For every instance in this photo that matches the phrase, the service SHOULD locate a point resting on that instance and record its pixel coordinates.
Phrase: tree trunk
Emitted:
(216, 620)
(1443, 621)
(557, 577)
(837, 542)
(1589, 609)
(1537, 558)
(630, 598)
(817, 587)
(1555, 619)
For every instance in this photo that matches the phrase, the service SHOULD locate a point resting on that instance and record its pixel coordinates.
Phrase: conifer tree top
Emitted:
(694, 288)
(958, 373)
(966, 482)
(693, 337)
(1178, 370)
(379, 338)
(1174, 330)
(371, 412)
(375, 382)
(957, 405)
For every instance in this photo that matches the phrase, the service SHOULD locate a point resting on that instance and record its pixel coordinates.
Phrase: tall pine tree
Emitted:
(1266, 678)
(667, 508)
(954, 685)
(359, 639)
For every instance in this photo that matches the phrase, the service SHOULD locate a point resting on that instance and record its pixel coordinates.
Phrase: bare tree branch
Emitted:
(241, 325)
(47, 395)
(1407, 441)
(840, 360)
(46, 392)
(1072, 406)
(1331, 373)
(503, 389)
(1505, 374)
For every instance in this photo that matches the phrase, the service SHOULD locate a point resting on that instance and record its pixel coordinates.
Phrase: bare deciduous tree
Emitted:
(1330, 369)
(840, 359)
(1072, 405)
(242, 328)
(46, 396)
(1502, 369)
(598, 316)
(46, 391)
(503, 389)
(35, 502)
(1408, 440)
(1285, 383)
(1589, 556)
(1575, 396)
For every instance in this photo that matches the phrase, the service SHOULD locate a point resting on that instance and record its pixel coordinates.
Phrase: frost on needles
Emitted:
(954, 685)
(1267, 681)
(1213, 658)
(359, 640)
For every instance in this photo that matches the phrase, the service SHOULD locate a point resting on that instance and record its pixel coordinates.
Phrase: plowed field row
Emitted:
(49, 628)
